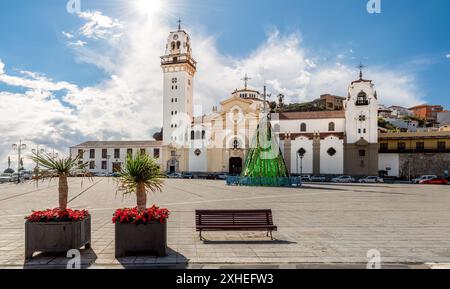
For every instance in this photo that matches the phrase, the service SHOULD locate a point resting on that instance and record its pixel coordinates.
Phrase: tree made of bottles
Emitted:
(265, 164)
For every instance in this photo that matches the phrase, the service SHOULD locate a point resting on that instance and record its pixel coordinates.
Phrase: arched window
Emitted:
(331, 126)
(362, 99)
(178, 45)
(173, 45)
(192, 135)
(303, 127)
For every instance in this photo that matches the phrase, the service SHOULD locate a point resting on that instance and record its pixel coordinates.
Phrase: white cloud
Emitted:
(78, 43)
(448, 55)
(99, 25)
(32, 80)
(68, 35)
(128, 105)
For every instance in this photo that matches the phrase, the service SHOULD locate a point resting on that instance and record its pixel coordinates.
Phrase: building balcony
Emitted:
(178, 59)
(414, 151)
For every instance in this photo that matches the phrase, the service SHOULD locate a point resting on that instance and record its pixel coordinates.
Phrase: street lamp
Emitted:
(19, 147)
(53, 154)
(301, 154)
(37, 151)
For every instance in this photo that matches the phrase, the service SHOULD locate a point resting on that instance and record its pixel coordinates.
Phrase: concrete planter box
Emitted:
(146, 238)
(56, 237)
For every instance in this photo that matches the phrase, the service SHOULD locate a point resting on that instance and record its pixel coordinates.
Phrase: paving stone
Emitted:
(319, 225)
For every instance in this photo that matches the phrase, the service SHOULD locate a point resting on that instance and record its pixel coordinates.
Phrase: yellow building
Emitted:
(411, 154)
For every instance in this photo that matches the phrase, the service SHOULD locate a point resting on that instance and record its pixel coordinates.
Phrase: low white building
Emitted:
(110, 156)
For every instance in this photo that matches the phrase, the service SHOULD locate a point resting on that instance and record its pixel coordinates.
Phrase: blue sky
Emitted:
(94, 75)
(411, 34)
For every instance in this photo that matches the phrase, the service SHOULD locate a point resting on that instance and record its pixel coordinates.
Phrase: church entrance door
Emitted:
(235, 166)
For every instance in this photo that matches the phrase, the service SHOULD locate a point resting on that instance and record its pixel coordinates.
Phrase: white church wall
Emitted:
(332, 164)
(198, 163)
(389, 163)
(307, 145)
(312, 125)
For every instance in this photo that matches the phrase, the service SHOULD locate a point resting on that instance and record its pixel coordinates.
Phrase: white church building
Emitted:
(321, 142)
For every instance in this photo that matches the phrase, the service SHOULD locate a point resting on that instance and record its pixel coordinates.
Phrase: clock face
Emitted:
(175, 37)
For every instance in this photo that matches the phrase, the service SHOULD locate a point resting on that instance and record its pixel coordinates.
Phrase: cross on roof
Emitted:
(246, 79)
(179, 23)
(361, 66)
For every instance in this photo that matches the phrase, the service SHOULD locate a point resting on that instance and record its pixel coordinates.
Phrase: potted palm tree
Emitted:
(60, 229)
(140, 229)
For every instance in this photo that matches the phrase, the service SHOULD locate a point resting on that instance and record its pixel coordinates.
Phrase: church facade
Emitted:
(320, 142)
(324, 142)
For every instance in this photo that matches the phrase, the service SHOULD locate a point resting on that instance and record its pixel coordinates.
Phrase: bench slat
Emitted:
(234, 220)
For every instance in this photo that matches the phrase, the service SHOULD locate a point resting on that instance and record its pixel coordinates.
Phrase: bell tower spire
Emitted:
(179, 24)
(361, 66)
(179, 68)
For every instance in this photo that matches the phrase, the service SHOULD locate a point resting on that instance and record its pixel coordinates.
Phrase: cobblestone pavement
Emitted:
(320, 225)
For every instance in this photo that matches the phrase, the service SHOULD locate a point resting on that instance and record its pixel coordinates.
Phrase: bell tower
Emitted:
(179, 68)
(361, 118)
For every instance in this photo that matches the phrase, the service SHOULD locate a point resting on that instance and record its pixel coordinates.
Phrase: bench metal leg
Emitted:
(271, 236)
(201, 238)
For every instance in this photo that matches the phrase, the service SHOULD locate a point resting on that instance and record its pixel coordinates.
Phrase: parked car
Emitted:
(343, 179)
(211, 177)
(175, 176)
(5, 178)
(318, 179)
(222, 176)
(188, 176)
(424, 178)
(305, 178)
(371, 180)
(436, 181)
(27, 175)
(16, 177)
(101, 175)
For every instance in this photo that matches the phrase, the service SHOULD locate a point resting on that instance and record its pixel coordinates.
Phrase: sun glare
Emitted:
(148, 7)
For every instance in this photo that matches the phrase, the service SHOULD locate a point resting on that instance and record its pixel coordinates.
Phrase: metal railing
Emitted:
(264, 182)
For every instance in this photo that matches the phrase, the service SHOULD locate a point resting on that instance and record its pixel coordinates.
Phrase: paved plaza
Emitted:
(320, 225)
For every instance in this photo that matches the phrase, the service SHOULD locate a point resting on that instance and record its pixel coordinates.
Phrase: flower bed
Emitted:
(57, 216)
(134, 216)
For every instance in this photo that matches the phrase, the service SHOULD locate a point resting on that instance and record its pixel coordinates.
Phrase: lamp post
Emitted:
(37, 151)
(301, 154)
(53, 154)
(19, 147)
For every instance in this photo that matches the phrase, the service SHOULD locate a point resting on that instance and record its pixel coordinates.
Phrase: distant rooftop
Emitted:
(312, 115)
(121, 144)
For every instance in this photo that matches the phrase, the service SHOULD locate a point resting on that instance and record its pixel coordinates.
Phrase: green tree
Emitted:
(140, 174)
(50, 167)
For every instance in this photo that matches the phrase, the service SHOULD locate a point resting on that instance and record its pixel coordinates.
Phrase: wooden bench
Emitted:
(234, 220)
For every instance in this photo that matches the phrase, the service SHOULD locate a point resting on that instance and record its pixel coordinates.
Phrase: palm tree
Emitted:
(61, 168)
(140, 175)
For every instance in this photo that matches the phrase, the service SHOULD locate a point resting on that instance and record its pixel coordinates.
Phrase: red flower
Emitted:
(133, 216)
(57, 215)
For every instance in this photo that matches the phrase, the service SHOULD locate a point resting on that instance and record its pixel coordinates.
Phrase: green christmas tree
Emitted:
(265, 164)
